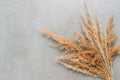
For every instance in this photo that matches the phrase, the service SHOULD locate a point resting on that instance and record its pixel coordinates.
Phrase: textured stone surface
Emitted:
(26, 55)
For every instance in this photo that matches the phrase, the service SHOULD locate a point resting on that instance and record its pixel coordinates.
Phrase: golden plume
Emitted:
(93, 53)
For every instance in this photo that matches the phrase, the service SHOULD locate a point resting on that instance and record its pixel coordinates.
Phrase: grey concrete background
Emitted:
(26, 55)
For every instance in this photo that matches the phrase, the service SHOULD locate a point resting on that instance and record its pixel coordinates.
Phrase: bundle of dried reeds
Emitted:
(93, 53)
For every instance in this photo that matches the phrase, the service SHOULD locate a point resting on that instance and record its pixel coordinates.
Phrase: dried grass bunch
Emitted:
(93, 53)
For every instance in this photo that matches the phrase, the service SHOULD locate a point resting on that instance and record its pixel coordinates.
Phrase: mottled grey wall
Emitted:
(26, 55)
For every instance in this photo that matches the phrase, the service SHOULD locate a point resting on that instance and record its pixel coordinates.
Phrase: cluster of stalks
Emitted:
(93, 53)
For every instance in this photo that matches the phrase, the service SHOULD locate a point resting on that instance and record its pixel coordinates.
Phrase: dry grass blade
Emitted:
(92, 53)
